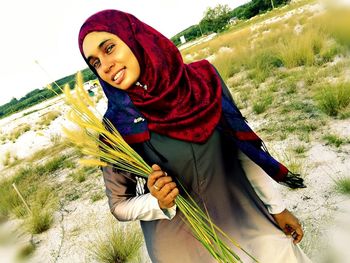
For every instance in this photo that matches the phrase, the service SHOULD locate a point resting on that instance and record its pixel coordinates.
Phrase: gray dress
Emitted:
(213, 175)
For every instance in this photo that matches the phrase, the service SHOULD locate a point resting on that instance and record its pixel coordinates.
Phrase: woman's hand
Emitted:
(290, 225)
(162, 187)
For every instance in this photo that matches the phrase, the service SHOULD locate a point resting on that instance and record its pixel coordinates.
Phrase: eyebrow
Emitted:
(99, 46)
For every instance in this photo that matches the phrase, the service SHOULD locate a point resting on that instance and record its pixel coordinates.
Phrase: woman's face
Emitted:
(112, 59)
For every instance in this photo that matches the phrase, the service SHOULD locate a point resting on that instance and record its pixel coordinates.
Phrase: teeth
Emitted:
(118, 74)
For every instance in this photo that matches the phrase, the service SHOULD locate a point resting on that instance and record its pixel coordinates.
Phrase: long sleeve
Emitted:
(127, 200)
(262, 184)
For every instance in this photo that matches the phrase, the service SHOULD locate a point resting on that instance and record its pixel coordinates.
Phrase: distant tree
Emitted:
(256, 7)
(215, 19)
(190, 33)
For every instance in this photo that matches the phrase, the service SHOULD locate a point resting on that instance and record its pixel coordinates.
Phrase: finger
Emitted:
(156, 167)
(170, 198)
(298, 235)
(166, 189)
(153, 177)
(163, 181)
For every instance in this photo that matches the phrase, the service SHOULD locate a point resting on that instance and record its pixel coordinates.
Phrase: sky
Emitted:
(46, 31)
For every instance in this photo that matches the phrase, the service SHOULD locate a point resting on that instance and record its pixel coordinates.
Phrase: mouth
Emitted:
(119, 76)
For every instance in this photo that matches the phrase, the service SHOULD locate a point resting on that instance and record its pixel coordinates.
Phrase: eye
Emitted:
(109, 48)
(95, 63)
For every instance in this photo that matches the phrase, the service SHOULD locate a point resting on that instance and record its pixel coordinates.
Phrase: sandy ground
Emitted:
(319, 207)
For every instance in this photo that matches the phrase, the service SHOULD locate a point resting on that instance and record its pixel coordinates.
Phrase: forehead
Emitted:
(93, 40)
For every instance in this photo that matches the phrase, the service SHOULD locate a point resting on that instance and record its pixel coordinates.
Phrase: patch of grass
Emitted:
(263, 64)
(43, 203)
(48, 117)
(55, 138)
(334, 140)
(343, 185)
(40, 220)
(79, 175)
(71, 196)
(51, 165)
(332, 99)
(29, 180)
(120, 244)
(97, 196)
(9, 159)
(294, 163)
(26, 251)
(300, 149)
(18, 131)
(53, 150)
(223, 63)
(262, 103)
(300, 50)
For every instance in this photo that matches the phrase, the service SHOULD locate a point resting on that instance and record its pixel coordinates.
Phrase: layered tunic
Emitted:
(215, 174)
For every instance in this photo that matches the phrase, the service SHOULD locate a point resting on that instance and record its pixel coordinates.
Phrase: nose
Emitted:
(107, 65)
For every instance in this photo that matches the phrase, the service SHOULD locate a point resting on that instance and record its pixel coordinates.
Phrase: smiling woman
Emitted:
(112, 59)
(186, 124)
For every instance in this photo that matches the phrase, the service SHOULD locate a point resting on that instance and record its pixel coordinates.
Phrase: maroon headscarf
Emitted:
(181, 101)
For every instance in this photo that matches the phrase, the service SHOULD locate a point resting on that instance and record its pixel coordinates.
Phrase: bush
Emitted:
(343, 185)
(333, 140)
(263, 102)
(120, 245)
(17, 132)
(333, 98)
(48, 117)
(40, 220)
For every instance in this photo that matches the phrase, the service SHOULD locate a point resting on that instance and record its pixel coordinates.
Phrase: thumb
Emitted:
(156, 167)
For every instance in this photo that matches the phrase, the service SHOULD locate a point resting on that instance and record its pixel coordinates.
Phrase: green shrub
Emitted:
(97, 196)
(299, 149)
(263, 63)
(121, 244)
(18, 131)
(79, 176)
(333, 140)
(26, 250)
(48, 117)
(262, 103)
(332, 99)
(343, 185)
(40, 220)
(29, 180)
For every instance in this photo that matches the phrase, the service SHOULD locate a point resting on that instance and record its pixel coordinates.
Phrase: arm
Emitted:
(264, 188)
(124, 202)
(262, 184)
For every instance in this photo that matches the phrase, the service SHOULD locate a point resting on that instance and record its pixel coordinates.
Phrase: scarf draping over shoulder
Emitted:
(182, 101)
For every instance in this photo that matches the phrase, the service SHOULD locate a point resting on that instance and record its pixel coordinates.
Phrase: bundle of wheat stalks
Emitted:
(100, 140)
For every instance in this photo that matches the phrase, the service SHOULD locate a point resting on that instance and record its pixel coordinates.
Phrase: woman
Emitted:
(182, 119)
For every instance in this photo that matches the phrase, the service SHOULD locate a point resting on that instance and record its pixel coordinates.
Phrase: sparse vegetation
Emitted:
(26, 250)
(48, 117)
(28, 180)
(300, 149)
(21, 129)
(79, 175)
(97, 196)
(121, 244)
(40, 220)
(343, 185)
(334, 98)
(334, 140)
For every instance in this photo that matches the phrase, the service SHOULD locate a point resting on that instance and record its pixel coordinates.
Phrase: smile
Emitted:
(119, 77)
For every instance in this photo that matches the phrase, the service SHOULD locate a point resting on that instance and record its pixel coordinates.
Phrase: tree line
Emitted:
(38, 95)
(217, 18)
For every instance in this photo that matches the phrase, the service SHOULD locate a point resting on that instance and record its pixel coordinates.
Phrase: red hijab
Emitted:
(182, 101)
